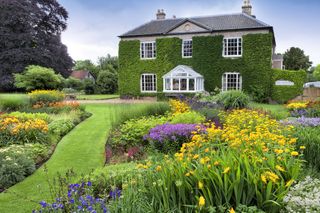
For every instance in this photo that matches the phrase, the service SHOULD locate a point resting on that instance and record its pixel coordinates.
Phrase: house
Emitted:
(190, 55)
(82, 75)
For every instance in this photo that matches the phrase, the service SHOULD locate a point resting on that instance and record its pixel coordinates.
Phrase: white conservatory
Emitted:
(183, 79)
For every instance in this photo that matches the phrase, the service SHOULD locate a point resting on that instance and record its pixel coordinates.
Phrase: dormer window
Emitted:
(148, 50)
(232, 47)
(187, 48)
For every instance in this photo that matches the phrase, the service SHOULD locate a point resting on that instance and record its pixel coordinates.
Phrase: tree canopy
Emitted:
(316, 72)
(30, 34)
(295, 59)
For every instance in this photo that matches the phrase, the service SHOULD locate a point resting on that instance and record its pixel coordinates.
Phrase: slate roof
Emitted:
(217, 23)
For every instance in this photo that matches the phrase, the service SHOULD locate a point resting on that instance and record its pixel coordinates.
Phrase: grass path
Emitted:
(82, 149)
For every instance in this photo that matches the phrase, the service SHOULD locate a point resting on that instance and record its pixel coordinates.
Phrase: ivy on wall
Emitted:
(254, 65)
(282, 94)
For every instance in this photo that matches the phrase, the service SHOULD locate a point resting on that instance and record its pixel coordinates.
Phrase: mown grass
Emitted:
(82, 150)
(96, 97)
(277, 111)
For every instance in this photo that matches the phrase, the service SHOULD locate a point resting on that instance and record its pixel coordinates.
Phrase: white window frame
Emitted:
(154, 81)
(183, 48)
(238, 81)
(226, 46)
(143, 49)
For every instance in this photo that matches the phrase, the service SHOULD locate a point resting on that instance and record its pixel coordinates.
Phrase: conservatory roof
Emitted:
(182, 71)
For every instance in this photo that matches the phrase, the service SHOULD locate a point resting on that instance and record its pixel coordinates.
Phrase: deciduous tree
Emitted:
(295, 59)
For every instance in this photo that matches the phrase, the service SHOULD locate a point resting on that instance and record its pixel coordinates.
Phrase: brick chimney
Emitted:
(247, 8)
(161, 14)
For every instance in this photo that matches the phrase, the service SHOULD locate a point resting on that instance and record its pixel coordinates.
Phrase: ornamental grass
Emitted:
(252, 161)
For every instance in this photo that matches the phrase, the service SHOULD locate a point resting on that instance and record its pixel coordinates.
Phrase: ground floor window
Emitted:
(231, 81)
(183, 79)
(148, 83)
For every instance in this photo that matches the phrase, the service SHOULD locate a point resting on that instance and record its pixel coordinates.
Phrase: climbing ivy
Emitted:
(254, 65)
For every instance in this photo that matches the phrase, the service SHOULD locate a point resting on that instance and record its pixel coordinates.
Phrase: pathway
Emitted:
(82, 149)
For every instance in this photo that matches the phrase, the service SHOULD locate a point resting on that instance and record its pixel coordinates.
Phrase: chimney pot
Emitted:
(161, 14)
(247, 8)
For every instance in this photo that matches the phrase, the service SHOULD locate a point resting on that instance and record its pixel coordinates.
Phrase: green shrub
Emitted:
(61, 127)
(89, 86)
(190, 117)
(310, 138)
(74, 83)
(44, 97)
(107, 82)
(37, 77)
(14, 168)
(13, 104)
(233, 99)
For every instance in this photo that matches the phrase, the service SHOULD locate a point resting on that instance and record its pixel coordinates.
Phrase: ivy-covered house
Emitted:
(189, 55)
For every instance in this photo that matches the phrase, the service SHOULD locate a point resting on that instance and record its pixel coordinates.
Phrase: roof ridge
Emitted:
(206, 16)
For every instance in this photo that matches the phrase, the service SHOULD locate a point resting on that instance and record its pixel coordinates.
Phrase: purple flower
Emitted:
(115, 193)
(43, 204)
(302, 121)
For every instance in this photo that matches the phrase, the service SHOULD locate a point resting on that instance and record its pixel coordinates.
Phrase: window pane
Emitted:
(148, 82)
(187, 48)
(183, 84)
(168, 84)
(191, 84)
(231, 81)
(175, 84)
(148, 50)
(232, 46)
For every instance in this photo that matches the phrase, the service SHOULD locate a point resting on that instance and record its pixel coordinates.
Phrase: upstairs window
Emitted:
(187, 48)
(231, 81)
(148, 83)
(148, 50)
(232, 47)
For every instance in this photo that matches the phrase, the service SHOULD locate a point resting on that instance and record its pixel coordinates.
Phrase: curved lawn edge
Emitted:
(82, 150)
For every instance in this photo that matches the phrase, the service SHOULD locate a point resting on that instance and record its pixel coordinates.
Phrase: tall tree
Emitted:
(316, 73)
(30, 34)
(105, 62)
(295, 59)
(86, 65)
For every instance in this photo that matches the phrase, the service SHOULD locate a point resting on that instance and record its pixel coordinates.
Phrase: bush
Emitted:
(14, 130)
(45, 97)
(61, 127)
(74, 83)
(88, 86)
(190, 117)
(10, 104)
(37, 77)
(14, 168)
(107, 82)
(233, 99)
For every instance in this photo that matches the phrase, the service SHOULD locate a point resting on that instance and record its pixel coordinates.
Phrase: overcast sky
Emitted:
(93, 25)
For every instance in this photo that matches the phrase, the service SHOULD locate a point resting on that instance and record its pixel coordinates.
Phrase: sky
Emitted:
(94, 25)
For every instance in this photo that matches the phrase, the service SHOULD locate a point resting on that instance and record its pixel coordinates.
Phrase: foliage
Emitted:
(19, 131)
(86, 65)
(309, 141)
(190, 117)
(14, 168)
(39, 25)
(254, 65)
(107, 82)
(316, 72)
(295, 59)
(88, 86)
(61, 127)
(28, 116)
(304, 109)
(45, 97)
(304, 196)
(233, 99)
(37, 77)
(13, 104)
(252, 161)
(74, 83)
(169, 137)
(282, 94)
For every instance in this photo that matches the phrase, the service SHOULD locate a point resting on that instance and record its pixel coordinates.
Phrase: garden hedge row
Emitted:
(254, 65)
(282, 94)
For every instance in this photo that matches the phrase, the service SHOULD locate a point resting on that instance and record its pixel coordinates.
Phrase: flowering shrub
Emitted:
(178, 106)
(79, 198)
(304, 197)
(251, 161)
(20, 131)
(45, 96)
(170, 137)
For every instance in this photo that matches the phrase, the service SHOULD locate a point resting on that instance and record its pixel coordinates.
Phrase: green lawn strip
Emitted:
(96, 97)
(277, 110)
(82, 149)
(7, 96)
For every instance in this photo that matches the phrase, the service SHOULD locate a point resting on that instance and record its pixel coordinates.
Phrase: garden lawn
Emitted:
(278, 111)
(96, 97)
(7, 96)
(82, 149)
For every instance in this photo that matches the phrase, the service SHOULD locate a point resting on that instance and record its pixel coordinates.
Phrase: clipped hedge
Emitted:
(282, 94)
(254, 65)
